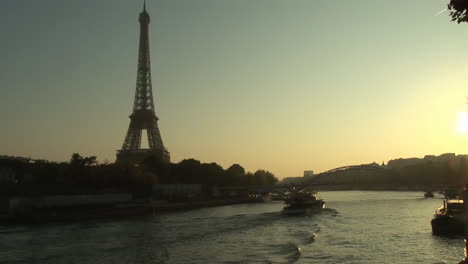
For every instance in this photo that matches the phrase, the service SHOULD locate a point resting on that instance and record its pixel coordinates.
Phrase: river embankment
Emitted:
(22, 212)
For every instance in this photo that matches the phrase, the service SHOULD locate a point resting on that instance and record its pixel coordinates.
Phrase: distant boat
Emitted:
(428, 194)
(302, 203)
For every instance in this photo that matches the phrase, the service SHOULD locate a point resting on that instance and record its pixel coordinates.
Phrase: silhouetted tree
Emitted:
(263, 177)
(250, 178)
(80, 172)
(83, 175)
(187, 171)
(159, 167)
(78, 160)
(458, 10)
(235, 175)
(213, 174)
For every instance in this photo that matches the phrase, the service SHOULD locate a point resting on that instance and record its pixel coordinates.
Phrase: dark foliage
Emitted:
(458, 10)
(83, 175)
(191, 171)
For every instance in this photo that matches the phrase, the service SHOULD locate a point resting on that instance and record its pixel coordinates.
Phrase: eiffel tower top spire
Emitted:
(144, 16)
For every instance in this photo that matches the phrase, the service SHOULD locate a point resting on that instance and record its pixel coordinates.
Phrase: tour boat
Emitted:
(302, 202)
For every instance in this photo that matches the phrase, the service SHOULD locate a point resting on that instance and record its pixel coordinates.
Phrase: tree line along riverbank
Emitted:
(84, 175)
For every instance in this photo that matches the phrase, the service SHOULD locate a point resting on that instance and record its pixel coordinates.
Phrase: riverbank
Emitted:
(112, 212)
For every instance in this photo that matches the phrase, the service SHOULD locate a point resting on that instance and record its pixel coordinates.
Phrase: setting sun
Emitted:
(462, 122)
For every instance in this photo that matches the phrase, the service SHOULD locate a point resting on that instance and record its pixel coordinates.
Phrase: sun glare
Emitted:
(462, 122)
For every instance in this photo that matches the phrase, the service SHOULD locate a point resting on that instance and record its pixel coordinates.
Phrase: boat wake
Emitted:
(290, 251)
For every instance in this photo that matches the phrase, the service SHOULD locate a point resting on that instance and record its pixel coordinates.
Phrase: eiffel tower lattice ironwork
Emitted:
(143, 116)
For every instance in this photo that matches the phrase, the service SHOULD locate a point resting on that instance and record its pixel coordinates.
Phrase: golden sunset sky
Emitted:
(281, 85)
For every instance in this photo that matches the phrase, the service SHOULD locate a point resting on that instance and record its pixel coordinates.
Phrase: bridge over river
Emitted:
(346, 177)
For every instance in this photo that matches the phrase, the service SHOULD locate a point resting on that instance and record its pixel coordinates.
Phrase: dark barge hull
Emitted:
(447, 226)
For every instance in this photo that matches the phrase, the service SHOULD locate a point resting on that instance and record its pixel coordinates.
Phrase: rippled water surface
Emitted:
(356, 227)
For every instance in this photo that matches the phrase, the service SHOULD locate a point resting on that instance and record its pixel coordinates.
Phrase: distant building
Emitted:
(446, 156)
(373, 164)
(400, 163)
(430, 157)
(357, 175)
(308, 173)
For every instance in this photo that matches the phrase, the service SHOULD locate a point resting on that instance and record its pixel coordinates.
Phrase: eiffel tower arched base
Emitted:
(138, 156)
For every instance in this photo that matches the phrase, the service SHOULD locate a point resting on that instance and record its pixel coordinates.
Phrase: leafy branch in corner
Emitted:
(458, 10)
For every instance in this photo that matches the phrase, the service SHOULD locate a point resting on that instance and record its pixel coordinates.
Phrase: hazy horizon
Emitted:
(285, 86)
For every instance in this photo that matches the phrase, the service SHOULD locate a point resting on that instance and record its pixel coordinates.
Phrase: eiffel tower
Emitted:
(143, 115)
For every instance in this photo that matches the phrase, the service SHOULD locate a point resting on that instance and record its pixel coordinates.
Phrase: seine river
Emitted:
(356, 227)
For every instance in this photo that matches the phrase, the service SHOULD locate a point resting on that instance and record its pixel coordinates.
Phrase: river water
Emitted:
(356, 227)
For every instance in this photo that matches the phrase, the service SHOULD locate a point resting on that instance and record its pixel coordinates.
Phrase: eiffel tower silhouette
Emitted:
(143, 116)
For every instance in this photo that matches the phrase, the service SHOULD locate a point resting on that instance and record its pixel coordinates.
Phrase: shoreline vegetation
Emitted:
(84, 175)
(35, 191)
(43, 191)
